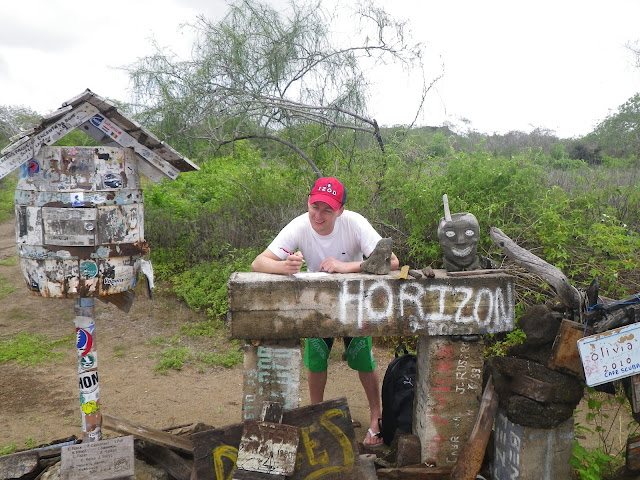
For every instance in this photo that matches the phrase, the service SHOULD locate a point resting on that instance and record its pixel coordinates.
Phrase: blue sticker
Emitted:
(88, 269)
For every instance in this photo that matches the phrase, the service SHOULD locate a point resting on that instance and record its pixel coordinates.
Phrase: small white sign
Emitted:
(611, 355)
(102, 460)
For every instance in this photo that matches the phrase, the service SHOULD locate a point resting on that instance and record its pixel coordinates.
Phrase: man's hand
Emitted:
(333, 265)
(293, 263)
(267, 262)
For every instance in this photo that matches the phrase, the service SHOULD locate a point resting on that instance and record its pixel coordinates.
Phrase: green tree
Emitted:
(13, 120)
(262, 74)
(619, 134)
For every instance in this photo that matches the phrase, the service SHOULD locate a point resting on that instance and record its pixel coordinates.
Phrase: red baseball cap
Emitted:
(330, 191)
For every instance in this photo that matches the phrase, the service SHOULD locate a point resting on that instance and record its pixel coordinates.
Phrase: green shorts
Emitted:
(359, 354)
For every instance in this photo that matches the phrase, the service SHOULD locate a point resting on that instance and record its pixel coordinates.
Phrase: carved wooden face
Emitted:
(459, 238)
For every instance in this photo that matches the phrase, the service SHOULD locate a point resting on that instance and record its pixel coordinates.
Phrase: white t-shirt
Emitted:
(352, 237)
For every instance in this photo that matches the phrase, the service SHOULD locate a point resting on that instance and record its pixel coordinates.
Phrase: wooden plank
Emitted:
(635, 393)
(168, 460)
(328, 447)
(20, 153)
(565, 356)
(271, 373)
(100, 460)
(470, 458)
(532, 388)
(418, 472)
(265, 306)
(19, 464)
(118, 134)
(164, 439)
(268, 448)
(633, 454)
(472, 273)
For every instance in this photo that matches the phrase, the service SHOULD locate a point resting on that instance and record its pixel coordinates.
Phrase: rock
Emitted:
(379, 262)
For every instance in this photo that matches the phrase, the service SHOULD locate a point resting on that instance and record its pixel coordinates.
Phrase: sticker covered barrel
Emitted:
(79, 221)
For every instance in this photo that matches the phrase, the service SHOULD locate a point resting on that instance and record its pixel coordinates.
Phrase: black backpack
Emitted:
(398, 388)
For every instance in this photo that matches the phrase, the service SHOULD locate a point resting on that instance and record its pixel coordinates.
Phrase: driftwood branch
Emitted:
(472, 454)
(569, 295)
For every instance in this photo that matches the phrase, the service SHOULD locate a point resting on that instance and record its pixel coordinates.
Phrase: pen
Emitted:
(290, 253)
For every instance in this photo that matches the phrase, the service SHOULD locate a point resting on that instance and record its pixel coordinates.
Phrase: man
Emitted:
(333, 240)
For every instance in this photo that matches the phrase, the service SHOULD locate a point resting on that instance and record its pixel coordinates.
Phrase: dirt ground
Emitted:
(40, 404)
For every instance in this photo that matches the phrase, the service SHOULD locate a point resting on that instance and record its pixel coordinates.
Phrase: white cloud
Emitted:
(508, 65)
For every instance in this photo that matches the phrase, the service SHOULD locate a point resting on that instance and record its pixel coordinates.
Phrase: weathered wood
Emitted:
(19, 464)
(26, 148)
(268, 447)
(618, 317)
(417, 472)
(159, 437)
(100, 460)
(176, 466)
(565, 356)
(470, 459)
(473, 273)
(247, 475)
(271, 373)
(264, 306)
(328, 448)
(633, 454)
(415, 273)
(634, 386)
(568, 294)
(532, 388)
(447, 396)
(272, 412)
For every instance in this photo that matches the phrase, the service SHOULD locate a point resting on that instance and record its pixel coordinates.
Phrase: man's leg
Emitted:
(317, 381)
(316, 355)
(371, 386)
(360, 358)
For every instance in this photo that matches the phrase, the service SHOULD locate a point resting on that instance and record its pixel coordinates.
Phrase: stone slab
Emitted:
(266, 306)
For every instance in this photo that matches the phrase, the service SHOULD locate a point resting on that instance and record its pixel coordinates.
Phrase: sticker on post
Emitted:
(610, 355)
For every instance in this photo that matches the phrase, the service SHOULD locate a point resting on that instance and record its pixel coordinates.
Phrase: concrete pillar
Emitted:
(271, 374)
(448, 391)
(526, 453)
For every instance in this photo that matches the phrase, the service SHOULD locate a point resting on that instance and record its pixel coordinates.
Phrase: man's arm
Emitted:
(331, 265)
(268, 262)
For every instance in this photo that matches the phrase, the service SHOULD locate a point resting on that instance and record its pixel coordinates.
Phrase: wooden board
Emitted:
(564, 355)
(264, 306)
(328, 448)
(102, 460)
(268, 447)
(158, 437)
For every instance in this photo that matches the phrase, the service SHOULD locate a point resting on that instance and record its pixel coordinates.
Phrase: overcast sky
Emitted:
(562, 65)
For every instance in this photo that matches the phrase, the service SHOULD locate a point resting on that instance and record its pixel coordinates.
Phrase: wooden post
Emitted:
(88, 370)
(271, 374)
(448, 390)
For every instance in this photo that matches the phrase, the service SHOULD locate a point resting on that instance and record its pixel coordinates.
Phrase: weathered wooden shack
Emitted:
(79, 210)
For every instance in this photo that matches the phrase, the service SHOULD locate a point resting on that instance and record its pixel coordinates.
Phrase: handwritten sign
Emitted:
(611, 355)
(102, 460)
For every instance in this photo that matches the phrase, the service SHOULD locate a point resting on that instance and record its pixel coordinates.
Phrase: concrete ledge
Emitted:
(265, 306)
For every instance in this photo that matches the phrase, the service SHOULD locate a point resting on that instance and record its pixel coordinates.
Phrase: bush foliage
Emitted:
(581, 218)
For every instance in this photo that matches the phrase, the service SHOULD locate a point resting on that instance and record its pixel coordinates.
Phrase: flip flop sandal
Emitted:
(372, 434)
